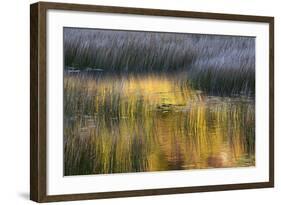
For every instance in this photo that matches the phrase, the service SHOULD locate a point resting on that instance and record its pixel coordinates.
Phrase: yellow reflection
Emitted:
(152, 123)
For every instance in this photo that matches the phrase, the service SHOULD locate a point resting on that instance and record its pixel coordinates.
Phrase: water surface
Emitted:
(139, 123)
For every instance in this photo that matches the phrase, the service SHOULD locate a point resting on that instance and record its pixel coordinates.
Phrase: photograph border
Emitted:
(38, 100)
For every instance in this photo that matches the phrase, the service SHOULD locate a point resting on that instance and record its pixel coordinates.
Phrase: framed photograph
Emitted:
(134, 102)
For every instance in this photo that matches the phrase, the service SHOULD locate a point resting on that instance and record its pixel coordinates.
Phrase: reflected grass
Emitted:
(138, 123)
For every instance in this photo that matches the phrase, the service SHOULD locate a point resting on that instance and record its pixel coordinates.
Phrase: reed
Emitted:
(146, 101)
(220, 65)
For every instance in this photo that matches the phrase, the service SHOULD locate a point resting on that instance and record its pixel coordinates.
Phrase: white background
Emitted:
(14, 102)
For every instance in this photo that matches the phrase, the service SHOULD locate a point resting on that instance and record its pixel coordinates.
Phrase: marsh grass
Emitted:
(147, 101)
(221, 65)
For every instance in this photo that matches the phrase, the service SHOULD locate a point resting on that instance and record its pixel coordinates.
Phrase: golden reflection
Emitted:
(152, 123)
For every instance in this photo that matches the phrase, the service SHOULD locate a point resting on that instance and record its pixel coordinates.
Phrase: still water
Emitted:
(152, 123)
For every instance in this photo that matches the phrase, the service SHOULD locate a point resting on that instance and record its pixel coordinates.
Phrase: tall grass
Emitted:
(223, 65)
(148, 101)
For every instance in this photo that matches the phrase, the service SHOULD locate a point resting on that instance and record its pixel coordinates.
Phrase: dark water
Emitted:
(152, 123)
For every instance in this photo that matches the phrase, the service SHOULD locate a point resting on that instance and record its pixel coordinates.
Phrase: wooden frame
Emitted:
(38, 97)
